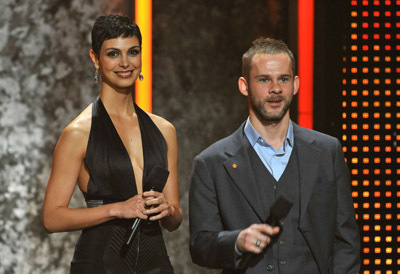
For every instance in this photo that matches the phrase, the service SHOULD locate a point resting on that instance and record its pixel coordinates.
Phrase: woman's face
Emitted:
(120, 62)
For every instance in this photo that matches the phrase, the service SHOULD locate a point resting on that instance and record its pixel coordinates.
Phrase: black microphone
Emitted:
(278, 210)
(154, 182)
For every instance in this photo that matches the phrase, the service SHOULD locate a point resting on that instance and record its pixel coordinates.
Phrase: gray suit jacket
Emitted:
(224, 199)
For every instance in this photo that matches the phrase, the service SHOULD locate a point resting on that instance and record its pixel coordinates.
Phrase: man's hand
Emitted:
(255, 238)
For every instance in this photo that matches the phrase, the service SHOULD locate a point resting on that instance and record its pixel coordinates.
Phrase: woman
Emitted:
(111, 150)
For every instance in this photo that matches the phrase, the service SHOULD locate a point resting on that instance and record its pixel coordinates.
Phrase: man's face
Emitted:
(271, 87)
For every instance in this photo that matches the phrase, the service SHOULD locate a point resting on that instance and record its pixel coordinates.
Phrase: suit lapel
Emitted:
(239, 169)
(308, 159)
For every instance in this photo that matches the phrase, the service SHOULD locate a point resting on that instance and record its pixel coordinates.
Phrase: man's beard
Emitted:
(263, 115)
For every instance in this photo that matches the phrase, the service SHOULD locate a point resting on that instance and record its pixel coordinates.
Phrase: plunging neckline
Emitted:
(121, 143)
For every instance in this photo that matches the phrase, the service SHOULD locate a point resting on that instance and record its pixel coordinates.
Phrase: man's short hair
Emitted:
(264, 45)
(113, 26)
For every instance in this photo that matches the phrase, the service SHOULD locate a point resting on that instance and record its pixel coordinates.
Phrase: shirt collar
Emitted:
(253, 136)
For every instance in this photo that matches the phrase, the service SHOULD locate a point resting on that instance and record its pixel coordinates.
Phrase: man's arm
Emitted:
(214, 244)
(346, 256)
(210, 245)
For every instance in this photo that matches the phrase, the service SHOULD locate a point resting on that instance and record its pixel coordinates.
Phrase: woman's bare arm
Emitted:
(67, 162)
(168, 209)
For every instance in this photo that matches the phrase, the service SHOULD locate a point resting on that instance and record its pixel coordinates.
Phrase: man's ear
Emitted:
(94, 58)
(296, 85)
(243, 86)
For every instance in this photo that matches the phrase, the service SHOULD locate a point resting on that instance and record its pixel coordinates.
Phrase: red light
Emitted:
(364, 25)
(306, 57)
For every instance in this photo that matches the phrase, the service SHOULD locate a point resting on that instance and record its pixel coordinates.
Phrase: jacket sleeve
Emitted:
(346, 254)
(210, 245)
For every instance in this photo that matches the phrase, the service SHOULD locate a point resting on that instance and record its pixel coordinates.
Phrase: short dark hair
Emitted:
(265, 46)
(112, 26)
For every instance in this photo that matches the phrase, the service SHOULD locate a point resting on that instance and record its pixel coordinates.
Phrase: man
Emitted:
(235, 181)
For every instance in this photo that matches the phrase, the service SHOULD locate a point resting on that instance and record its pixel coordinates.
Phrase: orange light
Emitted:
(143, 89)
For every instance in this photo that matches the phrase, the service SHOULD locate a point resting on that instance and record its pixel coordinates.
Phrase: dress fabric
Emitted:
(102, 249)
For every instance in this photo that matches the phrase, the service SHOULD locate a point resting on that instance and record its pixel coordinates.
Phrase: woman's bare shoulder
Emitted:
(166, 127)
(79, 128)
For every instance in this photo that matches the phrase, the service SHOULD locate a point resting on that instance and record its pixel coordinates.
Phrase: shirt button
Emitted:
(282, 262)
(282, 242)
(269, 267)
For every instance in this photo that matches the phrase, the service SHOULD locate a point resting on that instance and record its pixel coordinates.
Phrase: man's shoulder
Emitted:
(223, 146)
(313, 136)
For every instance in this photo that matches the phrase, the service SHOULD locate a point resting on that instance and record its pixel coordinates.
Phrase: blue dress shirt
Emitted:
(274, 161)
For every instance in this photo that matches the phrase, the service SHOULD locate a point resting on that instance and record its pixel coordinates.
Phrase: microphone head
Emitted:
(279, 209)
(156, 179)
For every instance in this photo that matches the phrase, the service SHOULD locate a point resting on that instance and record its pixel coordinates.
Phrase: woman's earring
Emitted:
(96, 77)
(141, 78)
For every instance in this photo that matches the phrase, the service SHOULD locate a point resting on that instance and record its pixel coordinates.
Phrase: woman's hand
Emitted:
(156, 205)
(131, 208)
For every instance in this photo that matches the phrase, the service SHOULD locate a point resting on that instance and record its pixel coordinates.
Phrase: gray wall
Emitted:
(46, 80)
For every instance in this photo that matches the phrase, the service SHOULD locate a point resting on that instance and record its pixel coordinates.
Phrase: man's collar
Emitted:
(253, 136)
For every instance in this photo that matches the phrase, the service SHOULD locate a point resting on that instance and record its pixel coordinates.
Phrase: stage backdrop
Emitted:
(46, 79)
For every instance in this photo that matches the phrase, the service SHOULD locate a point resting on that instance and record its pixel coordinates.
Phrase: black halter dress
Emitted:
(102, 248)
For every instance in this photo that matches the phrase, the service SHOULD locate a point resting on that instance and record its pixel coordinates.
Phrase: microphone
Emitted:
(278, 210)
(154, 182)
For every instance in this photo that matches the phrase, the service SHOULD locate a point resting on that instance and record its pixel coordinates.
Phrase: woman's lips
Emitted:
(124, 74)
